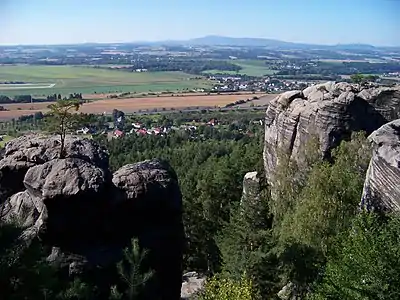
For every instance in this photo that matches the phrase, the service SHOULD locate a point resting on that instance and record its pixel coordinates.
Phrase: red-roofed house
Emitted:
(118, 133)
(142, 131)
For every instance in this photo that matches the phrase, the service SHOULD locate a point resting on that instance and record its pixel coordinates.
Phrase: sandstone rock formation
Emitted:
(330, 112)
(30, 150)
(251, 188)
(382, 183)
(192, 284)
(87, 215)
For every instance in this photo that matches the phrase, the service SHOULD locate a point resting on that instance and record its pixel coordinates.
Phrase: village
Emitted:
(230, 83)
(123, 125)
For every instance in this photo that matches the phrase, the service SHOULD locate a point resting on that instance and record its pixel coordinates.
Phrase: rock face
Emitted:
(88, 215)
(192, 284)
(31, 150)
(251, 188)
(329, 112)
(382, 183)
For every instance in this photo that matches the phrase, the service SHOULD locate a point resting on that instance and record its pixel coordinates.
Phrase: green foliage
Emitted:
(360, 78)
(24, 273)
(329, 197)
(323, 203)
(131, 272)
(77, 290)
(290, 177)
(219, 288)
(62, 120)
(210, 169)
(246, 244)
(365, 262)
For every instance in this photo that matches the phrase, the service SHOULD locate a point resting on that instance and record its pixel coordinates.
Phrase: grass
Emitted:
(89, 80)
(6, 138)
(249, 67)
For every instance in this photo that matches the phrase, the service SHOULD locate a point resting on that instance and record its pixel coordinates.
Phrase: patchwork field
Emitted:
(128, 105)
(249, 67)
(45, 80)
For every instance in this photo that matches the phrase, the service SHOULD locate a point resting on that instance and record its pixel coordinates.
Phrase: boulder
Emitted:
(192, 284)
(329, 112)
(288, 292)
(87, 216)
(71, 190)
(382, 184)
(21, 209)
(27, 151)
(251, 188)
(149, 200)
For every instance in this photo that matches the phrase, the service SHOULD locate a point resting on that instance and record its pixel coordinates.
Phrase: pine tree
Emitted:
(61, 120)
(131, 271)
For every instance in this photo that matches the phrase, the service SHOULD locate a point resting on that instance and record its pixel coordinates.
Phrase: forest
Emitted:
(308, 235)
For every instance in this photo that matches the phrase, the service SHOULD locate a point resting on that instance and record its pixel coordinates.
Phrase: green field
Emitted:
(6, 138)
(46, 80)
(249, 67)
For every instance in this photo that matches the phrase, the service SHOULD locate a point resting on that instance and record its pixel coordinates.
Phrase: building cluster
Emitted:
(237, 83)
(138, 128)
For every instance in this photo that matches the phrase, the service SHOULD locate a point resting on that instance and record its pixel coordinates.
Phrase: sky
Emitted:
(375, 22)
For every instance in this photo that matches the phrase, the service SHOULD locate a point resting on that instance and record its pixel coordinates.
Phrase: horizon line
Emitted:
(195, 38)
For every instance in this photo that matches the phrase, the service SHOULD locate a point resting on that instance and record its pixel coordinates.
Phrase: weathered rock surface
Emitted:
(330, 112)
(192, 284)
(288, 292)
(35, 149)
(382, 183)
(251, 188)
(88, 216)
(21, 209)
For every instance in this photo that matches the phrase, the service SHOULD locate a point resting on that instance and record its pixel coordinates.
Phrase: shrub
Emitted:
(218, 288)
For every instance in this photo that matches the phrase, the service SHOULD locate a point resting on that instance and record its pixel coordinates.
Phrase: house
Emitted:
(137, 125)
(157, 131)
(83, 130)
(118, 133)
(212, 122)
(141, 131)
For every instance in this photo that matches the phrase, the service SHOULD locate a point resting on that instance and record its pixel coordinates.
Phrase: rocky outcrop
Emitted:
(88, 216)
(192, 285)
(330, 112)
(382, 183)
(251, 188)
(31, 150)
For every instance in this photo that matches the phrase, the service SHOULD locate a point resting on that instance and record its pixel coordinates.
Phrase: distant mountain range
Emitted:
(215, 40)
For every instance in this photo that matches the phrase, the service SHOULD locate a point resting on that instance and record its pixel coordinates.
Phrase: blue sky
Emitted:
(310, 21)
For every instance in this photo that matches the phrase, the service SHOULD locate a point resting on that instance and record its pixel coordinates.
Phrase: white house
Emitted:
(83, 130)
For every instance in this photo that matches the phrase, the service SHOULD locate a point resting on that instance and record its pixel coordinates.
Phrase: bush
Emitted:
(365, 263)
(218, 288)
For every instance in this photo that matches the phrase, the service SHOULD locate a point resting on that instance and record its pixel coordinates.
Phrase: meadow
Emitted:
(249, 67)
(64, 80)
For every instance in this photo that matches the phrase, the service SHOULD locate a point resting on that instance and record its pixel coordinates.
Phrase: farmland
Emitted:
(45, 80)
(130, 105)
(249, 67)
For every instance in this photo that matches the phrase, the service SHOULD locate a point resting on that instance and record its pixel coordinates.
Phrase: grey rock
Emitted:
(27, 151)
(382, 184)
(64, 177)
(288, 292)
(143, 181)
(87, 216)
(330, 112)
(20, 209)
(149, 200)
(251, 188)
(192, 284)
